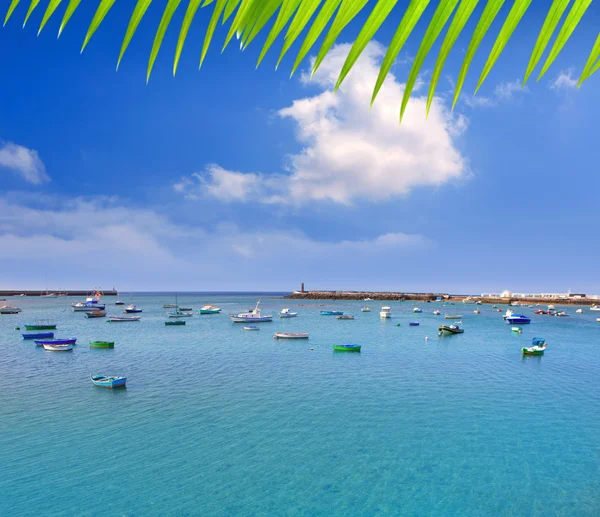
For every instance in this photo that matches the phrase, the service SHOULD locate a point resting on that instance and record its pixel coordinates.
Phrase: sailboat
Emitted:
(119, 302)
(171, 305)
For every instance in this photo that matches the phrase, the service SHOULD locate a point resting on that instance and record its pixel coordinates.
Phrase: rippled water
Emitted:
(219, 421)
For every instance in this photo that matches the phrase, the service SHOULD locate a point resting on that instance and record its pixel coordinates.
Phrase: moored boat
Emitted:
(453, 316)
(6, 309)
(579, 311)
(538, 347)
(476, 311)
(169, 306)
(58, 348)
(41, 326)
(414, 324)
(417, 310)
(346, 348)
(51, 342)
(287, 313)
(345, 317)
(517, 329)
(385, 313)
(107, 381)
(437, 313)
(287, 335)
(251, 316)
(96, 313)
(177, 313)
(332, 313)
(174, 323)
(595, 308)
(450, 329)
(102, 344)
(251, 327)
(366, 309)
(209, 309)
(561, 314)
(116, 319)
(469, 300)
(518, 318)
(132, 309)
(39, 335)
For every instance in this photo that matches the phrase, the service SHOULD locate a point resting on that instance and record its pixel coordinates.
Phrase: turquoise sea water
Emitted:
(216, 420)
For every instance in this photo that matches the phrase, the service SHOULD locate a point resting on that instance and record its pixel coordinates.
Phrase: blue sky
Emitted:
(240, 178)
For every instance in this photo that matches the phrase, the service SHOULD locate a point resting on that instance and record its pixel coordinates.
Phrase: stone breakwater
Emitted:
(431, 297)
(62, 293)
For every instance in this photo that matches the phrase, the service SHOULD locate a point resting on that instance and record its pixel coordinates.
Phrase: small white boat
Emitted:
(366, 309)
(287, 313)
(437, 313)
(253, 316)
(58, 348)
(251, 327)
(469, 299)
(551, 308)
(453, 316)
(286, 335)
(114, 319)
(598, 320)
(595, 308)
(386, 312)
(476, 311)
(180, 314)
(5, 309)
(368, 300)
(579, 311)
(515, 304)
(416, 309)
(561, 314)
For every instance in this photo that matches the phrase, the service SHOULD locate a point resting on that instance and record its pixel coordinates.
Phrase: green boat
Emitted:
(41, 326)
(175, 323)
(346, 348)
(517, 329)
(538, 347)
(209, 309)
(102, 344)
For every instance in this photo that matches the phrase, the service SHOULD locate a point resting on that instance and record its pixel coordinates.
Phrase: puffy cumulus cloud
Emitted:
(103, 241)
(25, 162)
(564, 81)
(350, 151)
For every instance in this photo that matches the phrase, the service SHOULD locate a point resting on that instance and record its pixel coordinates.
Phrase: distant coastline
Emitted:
(56, 294)
(431, 297)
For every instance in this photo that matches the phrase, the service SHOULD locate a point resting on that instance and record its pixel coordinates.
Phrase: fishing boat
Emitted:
(595, 308)
(541, 311)
(332, 313)
(579, 311)
(131, 309)
(105, 381)
(251, 316)
(41, 326)
(507, 314)
(446, 330)
(417, 310)
(178, 313)
(366, 309)
(345, 317)
(6, 309)
(251, 327)
(385, 313)
(102, 344)
(518, 318)
(413, 324)
(119, 302)
(286, 335)
(209, 309)
(39, 335)
(538, 347)
(96, 313)
(561, 314)
(116, 319)
(469, 300)
(453, 316)
(58, 348)
(598, 320)
(437, 313)
(287, 313)
(174, 323)
(476, 311)
(517, 329)
(346, 348)
(44, 342)
(551, 308)
(368, 299)
(91, 303)
(186, 309)
(169, 306)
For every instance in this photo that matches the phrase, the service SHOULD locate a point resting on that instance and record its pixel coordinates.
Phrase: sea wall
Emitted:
(4, 293)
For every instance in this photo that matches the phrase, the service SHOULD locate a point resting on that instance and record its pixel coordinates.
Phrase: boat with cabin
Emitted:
(287, 313)
(132, 309)
(538, 347)
(437, 312)
(595, 308)
(448, 330)
(6, 309)
(385, 313)
(108, 381)
(102, 344)
(209, 309)
(287, 335)
(468, 300)
(579, 311)
(417, 310)
(346, 348)
(251, 316)
(517, 318)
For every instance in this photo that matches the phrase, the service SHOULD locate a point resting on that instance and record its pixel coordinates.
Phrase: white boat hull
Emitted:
(58, 348)
(262, 319)
(385, 315)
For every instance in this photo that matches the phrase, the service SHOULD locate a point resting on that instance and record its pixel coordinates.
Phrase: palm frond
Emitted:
(287, 20)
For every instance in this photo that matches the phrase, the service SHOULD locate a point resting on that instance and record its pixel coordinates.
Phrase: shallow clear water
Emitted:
(216, 420)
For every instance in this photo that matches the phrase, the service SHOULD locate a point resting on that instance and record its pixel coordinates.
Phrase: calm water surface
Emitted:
(219, 421)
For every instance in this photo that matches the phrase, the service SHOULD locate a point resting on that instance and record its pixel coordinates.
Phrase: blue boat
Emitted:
(43, 342)
(39, 335)
(518, 318)
(414, 324)
(332, 313)
(106, 381)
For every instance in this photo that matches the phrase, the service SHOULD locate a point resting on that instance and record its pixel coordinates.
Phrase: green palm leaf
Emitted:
(303, 15)
(73, 5)
(264, 15)
(168, 13)
(101, 12)
(211, 28)
(32, 6)
(593, 62)
(577, 11)
(513, 19)
(285, 13)
(463, 13)
(11, 8)
(136, 18)
(555, 13)
(52, 5)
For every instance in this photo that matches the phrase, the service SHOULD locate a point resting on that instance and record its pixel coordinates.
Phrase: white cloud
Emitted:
(23, 161)
(503, 92)
(103, 241)
(507, 89)
(564, 81)
(350, 151)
